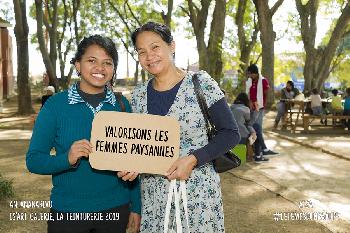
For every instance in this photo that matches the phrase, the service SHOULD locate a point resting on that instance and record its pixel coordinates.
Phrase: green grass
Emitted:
(6, 189)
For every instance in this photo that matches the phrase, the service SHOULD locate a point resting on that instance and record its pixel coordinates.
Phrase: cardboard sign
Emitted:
(134, 142)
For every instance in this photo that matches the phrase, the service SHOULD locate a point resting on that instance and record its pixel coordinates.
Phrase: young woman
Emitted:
(64, 123)
(241, 111)
(171, 93)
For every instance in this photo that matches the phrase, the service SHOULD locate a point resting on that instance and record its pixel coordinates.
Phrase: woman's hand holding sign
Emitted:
(182, 168)
(81, 148)
(127, 176)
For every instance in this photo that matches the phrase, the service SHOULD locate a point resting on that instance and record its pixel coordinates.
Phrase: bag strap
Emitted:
(119, 98)
(177, 196)
(203, 106)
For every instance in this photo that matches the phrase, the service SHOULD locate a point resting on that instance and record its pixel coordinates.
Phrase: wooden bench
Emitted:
(308, 119)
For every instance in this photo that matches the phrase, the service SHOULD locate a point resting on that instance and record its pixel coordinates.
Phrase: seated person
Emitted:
(289, 92)
(49, 91)
(336, 105)
(241, 111)
(316, 104)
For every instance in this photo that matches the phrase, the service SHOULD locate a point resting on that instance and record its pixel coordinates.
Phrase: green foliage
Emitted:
(6, 189)
(342, 72)
(228, 87)
(7, 12)
(288, 63)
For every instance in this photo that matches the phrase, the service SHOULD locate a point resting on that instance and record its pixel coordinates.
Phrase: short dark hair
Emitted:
(335, 92)
(253, 68)
(315, 91)
(104, 42)
(290, 83)
(161, 29)
(242, 98)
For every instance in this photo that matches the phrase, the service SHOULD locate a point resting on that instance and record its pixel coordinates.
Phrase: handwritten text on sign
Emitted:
(134, 142)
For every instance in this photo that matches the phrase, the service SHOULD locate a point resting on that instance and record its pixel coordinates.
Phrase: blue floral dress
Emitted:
(205, 207)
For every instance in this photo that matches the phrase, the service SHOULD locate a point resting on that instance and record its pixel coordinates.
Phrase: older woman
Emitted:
(171, 93)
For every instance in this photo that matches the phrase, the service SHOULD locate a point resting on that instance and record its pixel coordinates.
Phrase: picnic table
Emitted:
(296, 107)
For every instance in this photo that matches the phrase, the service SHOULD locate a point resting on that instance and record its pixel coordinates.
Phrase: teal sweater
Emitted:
(80, 189)
(347, 103)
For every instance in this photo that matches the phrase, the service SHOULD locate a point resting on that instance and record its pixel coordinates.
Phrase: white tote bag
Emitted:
(177, 194)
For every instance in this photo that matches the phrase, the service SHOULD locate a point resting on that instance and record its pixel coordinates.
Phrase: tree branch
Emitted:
(275, 7)
(120, 16)
(132, 13)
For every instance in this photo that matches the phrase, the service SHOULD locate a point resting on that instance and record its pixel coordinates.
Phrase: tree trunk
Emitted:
(47, 58)
(136, 74)
(210, 58)
(217, 28)
(167, 17)
(318, 60)
(245, 45)
(53, 44)
(21, 32)
(143, 75)
(267, 37)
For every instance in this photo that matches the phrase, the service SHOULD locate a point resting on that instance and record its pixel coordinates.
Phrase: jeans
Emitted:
(259, 138)
(259, 143)
(257, 118)
(347, 122)
(317, 111)
(281, 109)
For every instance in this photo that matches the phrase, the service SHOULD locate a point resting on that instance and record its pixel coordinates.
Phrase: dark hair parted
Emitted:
(253, 69)
(242, 98)
(161, 29)
(104, 42)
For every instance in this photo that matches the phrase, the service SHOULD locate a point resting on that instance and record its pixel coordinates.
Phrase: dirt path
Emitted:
(252, 194)
(249, 207)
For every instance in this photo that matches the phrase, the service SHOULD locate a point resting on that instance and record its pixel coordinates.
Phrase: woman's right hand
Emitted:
(78, 149)
(127, 176)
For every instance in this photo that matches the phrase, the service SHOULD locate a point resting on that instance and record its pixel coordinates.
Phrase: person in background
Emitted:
(49, 91)
(241, 112)
(257, 87)
(287, 93)
(171, 93)
(46, 80)
(336, 104)
(347, 107)
(316, 104)
(64, 123)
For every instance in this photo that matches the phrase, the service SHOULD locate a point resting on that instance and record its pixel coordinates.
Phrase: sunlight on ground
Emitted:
(271, 143)
(333, 143)
(316, 170)
(15, 134)
(344, 210)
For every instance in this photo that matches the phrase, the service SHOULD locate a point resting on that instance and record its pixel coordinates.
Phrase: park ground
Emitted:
(311, 174)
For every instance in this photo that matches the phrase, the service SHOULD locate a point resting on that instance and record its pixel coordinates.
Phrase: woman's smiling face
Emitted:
(154, 54)
(96, 68)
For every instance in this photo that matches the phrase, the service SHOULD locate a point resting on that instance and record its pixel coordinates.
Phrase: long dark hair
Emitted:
(104, 42)
(242, 98)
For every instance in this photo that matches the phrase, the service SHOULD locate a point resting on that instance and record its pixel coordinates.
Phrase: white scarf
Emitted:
(260, 93)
